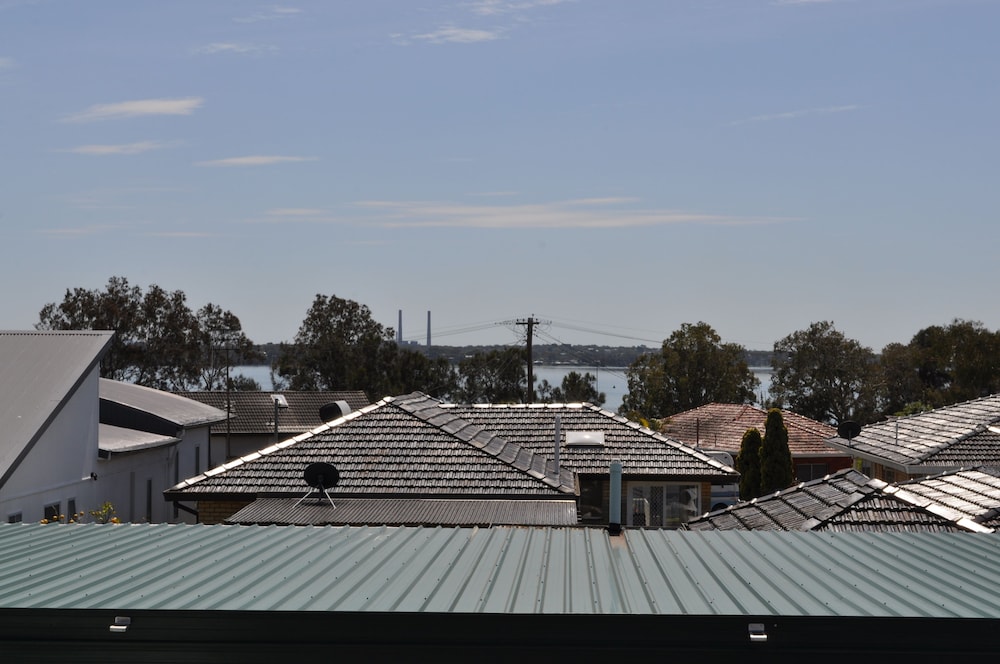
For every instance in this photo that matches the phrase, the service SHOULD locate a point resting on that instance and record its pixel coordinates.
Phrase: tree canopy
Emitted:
(159, 342)
(692, 368)
(497, 376)
(776, 470)
(575, 387)
(821, 374)
(748, 463)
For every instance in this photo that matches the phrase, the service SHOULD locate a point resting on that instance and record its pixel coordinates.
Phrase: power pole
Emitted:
(530, 322)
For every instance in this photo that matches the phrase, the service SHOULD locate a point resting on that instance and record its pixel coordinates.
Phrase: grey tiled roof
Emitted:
(961, 501)
(406, 512)
(405, 445)
(640, 450)
(788, 509)
(965, 434)
(253, 411)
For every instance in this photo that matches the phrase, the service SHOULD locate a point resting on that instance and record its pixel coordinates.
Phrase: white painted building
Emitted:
(71, 441)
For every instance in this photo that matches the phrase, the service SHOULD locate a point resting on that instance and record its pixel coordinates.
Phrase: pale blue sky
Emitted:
(622, 166)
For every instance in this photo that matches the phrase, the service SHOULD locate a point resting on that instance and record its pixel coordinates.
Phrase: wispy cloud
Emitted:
(255, 160)
(180, 234)
(137, 108)
(803, 2)
(273, 13)
(6, 63)
(85, 231)
(121, 149)
(499, 7)
(792, 115)
(294, 212)
(234, 48)
(499, 16)
(452, 34)
(572, 214)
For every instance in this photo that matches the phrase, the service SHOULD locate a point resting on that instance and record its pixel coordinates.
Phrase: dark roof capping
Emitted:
(400, 446)
(641, 451)
(966, 434)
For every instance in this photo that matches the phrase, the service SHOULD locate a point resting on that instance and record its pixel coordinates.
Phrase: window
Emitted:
(149, 500)
(14, 518)
(592, 500)
(661, 504)
(197, 460)
(71, 509)
(810, 471)
(52, 511)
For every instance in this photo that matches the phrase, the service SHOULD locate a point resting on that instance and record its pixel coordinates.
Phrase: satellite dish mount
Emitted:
(320, 476)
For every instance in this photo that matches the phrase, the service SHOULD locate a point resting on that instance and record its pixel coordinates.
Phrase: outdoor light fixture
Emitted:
(120, 625)
(757, 633)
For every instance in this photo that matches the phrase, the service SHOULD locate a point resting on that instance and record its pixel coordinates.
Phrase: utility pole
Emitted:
(530, 322)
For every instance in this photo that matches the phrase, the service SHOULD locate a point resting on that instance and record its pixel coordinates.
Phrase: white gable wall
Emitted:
(58, 467)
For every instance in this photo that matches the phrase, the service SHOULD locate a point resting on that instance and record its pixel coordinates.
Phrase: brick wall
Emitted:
(217, 511)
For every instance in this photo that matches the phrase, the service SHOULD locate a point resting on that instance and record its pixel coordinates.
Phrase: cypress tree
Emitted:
(748, 463)
(776, 470)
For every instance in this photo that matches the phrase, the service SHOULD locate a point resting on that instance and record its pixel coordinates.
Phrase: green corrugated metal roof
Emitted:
(502, 570)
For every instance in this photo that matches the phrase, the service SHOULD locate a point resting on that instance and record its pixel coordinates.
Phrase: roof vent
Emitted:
(585, 439)
(333, 410)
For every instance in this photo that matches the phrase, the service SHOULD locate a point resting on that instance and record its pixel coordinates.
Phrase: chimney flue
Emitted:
(615, 508)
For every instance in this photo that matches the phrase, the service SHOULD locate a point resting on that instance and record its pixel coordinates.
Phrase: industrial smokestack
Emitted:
(428, 330)
(399, 328)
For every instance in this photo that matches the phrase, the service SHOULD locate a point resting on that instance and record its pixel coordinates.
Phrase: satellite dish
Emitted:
(848, 429)
(333, 410)
(320, 476)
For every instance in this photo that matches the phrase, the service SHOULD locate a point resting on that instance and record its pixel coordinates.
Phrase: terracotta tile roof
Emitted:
(722, 425)
(253, 411)
(641, 451)
(963, 435)
(399, 446)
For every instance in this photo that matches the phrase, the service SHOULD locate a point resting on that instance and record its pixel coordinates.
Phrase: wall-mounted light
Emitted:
(120, 626)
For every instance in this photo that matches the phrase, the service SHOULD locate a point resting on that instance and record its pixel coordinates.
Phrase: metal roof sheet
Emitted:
(38, 373)
(504, 570)
(120, 439)
(168, 406)
(406, 511)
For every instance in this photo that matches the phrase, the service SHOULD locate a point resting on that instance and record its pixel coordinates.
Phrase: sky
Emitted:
(612, 168)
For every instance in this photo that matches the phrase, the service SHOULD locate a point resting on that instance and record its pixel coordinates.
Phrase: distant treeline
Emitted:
(550, 354)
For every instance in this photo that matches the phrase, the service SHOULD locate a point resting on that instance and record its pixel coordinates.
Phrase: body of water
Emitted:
(610, 380)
